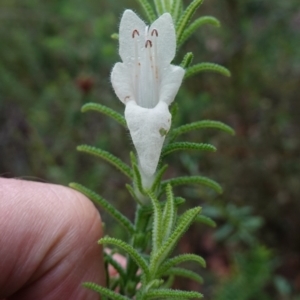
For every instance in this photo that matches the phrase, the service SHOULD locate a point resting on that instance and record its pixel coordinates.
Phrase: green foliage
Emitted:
(204, 67)
(197, 24)
(104, 110)
(194, 180)
(148, 10)
(186, 18)
(240, 224)
(253, 270)
(187, 60)
(187, 146)
(170, 263)
(116, 162)
(129, 250)
(173, 294)
(176, 10)
(200, 125)
(124, 222)
(104, 291)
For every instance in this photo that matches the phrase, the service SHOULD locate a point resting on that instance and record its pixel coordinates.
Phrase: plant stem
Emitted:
(139, 242)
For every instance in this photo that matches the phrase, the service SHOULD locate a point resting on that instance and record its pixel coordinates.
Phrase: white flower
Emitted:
(147, 83)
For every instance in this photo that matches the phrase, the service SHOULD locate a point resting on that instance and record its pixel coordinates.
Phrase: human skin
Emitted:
(48, 242)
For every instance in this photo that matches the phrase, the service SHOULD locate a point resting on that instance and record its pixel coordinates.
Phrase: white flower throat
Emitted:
(146, 69)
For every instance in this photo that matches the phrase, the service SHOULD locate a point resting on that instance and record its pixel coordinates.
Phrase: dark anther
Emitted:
(154, 31)
(148, 43)
(134, 33)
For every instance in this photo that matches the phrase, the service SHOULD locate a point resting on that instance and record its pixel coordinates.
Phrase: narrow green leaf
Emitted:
(148, 10)
(158, 178)
(148, 209)
(204, 67)
(154, 284)
(105, 110)
(187, 60)
(104, 291)
(97, 199)
(113, 160)
(206, 220)
(172, 262)
(169, 283)
(169, 214)
(140, 261)
(137, 179)
(133, 158)
(195, 25)
(109, 259)
(174, 110)
(201, 125)
(184, 223)
(157, 223)
(194, 180)
(186, 17)
(176, 10)
(185, 273)
(132, 193)
(187, 146)
(159, 7)
(167, 5)
(171, 294)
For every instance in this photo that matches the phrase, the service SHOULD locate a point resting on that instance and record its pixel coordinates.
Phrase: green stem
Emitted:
(138, 242)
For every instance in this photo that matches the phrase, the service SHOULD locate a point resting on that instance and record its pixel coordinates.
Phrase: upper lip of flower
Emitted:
(146, 75)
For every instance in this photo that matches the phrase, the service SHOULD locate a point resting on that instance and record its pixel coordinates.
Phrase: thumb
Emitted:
(48, 242)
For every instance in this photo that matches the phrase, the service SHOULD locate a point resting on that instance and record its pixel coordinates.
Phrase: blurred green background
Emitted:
(57, 55)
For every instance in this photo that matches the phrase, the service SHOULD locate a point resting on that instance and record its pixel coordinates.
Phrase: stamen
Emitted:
(154, 32)
(148, 42)
(134, 33)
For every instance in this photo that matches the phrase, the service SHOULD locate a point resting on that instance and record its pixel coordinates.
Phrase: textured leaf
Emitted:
(183, 224)
(158, 178)
(157, 224)
(104, 110)
(109, 259)
(105, 205)
(187, 60)
(104, 291)
(204, 67)
(172, 147)
(140, 261)
(206, 220)
(195, 25)
(169, 214)
(185, 273)
(186, 17)
(113, 160)
(148, 10)
(194, 180)
(171, 294)
(159, 7)
(201, 125)
(176, 10)
(172, 262)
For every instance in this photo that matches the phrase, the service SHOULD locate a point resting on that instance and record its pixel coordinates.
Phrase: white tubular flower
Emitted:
(147, 84)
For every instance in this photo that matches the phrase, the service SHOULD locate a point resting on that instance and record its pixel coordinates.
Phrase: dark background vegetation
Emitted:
(57, 55)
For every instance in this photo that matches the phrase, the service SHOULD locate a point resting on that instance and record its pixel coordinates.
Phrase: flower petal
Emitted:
(171, 80)
(148, 128)
(166, 39)
(121, 82)
(130, 23)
